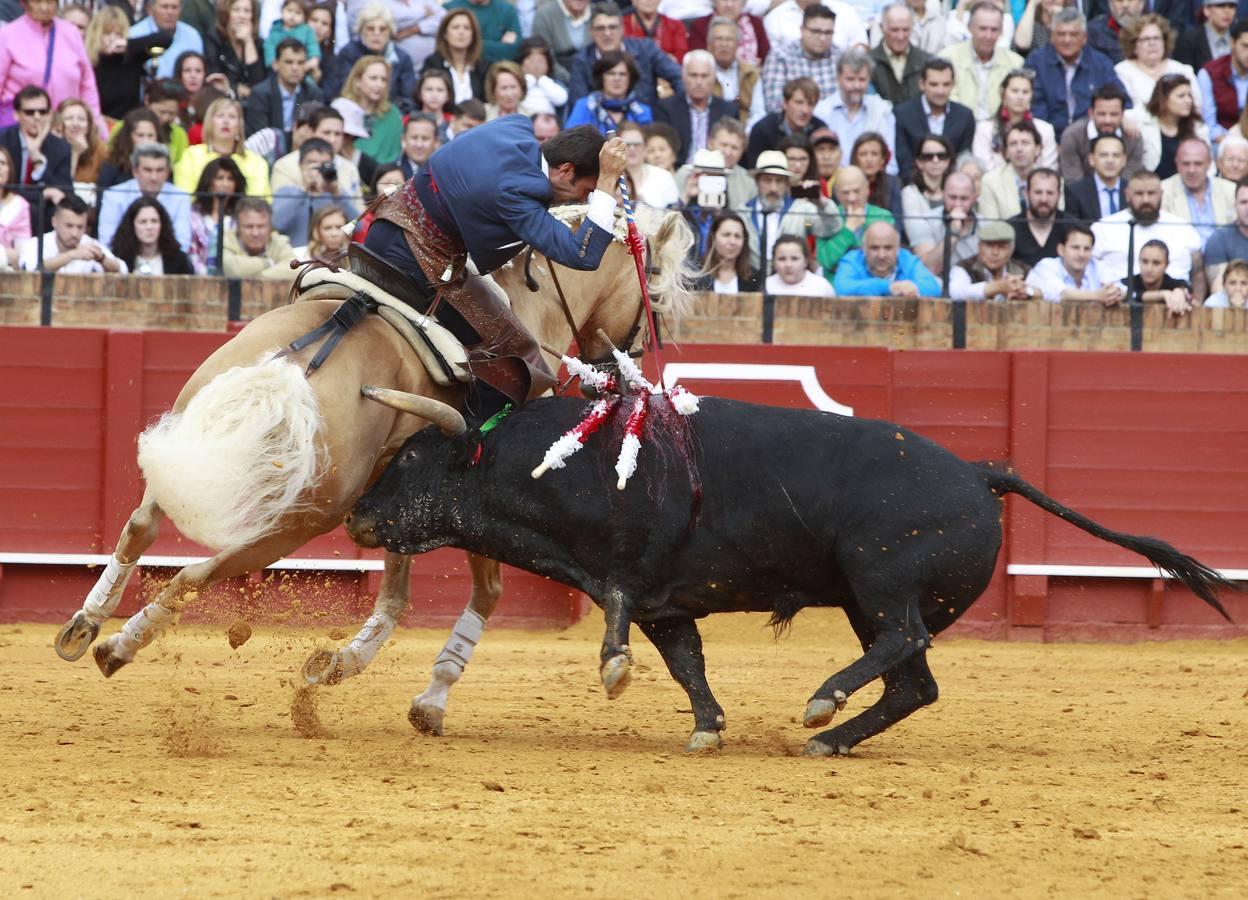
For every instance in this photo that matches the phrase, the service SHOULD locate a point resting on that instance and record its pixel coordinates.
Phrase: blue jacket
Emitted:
(491, 181)
(652, 64)
(1049, 101)
(854, 279)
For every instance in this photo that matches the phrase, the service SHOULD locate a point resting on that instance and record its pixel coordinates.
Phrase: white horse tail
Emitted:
(240, 456)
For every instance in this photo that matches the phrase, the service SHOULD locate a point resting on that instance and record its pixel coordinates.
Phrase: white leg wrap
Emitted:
(142, 629)
(104, 597)
(359, 652)
(463, 640)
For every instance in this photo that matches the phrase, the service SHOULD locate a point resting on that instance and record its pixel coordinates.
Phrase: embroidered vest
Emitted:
(1224, 96)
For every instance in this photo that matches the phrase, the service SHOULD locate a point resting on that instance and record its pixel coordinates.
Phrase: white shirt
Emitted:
(1110, 249)
(729, 80)
(962, 288)
(784, 24)
(811, 285)
(1050, 277)
(935, 123)
(28, 256)
(730, 286)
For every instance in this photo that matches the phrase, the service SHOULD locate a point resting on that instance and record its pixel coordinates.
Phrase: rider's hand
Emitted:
(612, 159)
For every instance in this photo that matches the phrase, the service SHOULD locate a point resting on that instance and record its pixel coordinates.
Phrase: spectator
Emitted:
(857, 215)
(433, 95)
(499, 24)
(544, 93)
(727, 268)
(325, 235)
(274, 102)
(1035, 26)
(293, 206)
(233, 48)
(1233, 158)
(979, 65)
(254, 249)
(661, 144)
(703, 199)
(924, 196)
(812, 57)
(1016, 97)
(1224, 83)
(613, 99)
(77, 15)
(1074, 274)
(163, 20)
(898, 62)
(1234, 291)
(75, 123)
(144, 241)
(34, 51)
(151, 169)
(929, 30)
(785, 21)
(1206, 41)
(191, 72)
(645, 22)
(775, 212)
(1229, 242)
(1152, 285)
(1146, 48)
(217, 193)
(118, 61)
(851, 112)
(41, 159)
(927, 237)
(1067, 72)
(1105, 29)
(1193, 195)
(274, 143)
(992, 274)
(376, 29)
(606, 33)
(459, 54)
(1105, 116)
(1002, 193)
(420, 139)
(827, 149)
(564, 26)
(728, 139)
(801, 159)
(293, 25)
(67, 247)
(414, 24)
(139, 127)
(651, 185)
(932, 113)
(505, 89)
(223, 136)
(1104, 192)
(367, 87)
(1144, 205)
(735, 79)
(164, 99)
(1172, 117)
(693, 112)
(972, 169)
(1036, 230)
(464, 117)
(323, 20)
(870, 154)
(14, 212)
(752, 43)
(796, 115)
(881, 269)
(792, 276)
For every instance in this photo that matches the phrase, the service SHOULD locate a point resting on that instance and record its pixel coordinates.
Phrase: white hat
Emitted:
(352, 117)
(772, 162)
(706, 160)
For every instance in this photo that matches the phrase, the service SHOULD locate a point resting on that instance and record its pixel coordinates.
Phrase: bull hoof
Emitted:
(816, 747)
(75, 637)
(426, 719)
(323, 667)
(617, 672)
(704, 742)
(819, 712)
(108, 661)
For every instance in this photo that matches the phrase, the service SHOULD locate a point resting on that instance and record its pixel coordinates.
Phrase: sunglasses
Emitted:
(932, 157)
(35, 112)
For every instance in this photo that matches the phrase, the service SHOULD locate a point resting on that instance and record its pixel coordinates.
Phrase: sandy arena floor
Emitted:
(1044, 771)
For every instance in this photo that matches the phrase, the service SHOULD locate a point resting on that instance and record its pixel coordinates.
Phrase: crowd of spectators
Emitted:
(989, 149)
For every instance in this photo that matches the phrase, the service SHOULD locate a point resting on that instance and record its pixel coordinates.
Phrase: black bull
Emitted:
(738, 508)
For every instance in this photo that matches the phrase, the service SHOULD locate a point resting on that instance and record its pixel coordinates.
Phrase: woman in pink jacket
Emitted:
(36, 48)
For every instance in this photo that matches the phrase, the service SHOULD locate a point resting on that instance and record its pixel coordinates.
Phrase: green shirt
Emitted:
(385, 136)
(830, 250)
(495, 19)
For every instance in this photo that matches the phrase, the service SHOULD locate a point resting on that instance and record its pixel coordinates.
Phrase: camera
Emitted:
(712, 191)
(805, 192)
(328, 171)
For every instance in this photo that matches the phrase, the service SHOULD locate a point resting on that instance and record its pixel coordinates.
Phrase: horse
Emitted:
(256, 458)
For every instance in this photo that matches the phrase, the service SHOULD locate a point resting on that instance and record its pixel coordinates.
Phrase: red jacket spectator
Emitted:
(669, 34)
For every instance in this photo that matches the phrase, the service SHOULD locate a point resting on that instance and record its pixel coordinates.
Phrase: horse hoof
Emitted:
(816, 747)
(617, 672)
(426, 719)
(75, 637)
(323, 667)
(108, 661)
(704, 742)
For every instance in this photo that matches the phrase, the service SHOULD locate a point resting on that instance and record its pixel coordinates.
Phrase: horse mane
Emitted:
(670, 239)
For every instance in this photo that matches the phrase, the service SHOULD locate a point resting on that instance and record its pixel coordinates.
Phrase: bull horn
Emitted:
(447, 418)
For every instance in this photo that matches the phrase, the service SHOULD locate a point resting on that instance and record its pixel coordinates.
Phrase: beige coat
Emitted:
(274, 264)
(966, 84)
(1174, 199)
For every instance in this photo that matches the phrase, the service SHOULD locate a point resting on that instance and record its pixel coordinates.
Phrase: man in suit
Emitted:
(932, 112)
(473, 207)
(420, 139)
(694, 112)
(1207, 40)
(1103, 193)
(1194, 196)
(1061, 97)
(898, 63)
(1002, 191)
(40, 158)
(1105, 116)
(734, 78)
(606, 29)
(273, 102)
(980, 56)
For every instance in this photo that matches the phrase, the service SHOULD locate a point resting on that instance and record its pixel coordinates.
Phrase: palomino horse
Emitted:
(255, 459)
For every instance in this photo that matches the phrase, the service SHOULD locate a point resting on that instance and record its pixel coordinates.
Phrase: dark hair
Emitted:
(13, 177)
(817, 11)
(126, 243)
(916, 175)
(610, 60)
(744, 272)
(1240, 26)
(1077, 227)
(327, 45)
(30, 92)
(289, 44)
(382, 171)
(664, 131)
(123, 140)
(801, 142)
(1109, 91)
(472, 108)
(579, 146)
(936, 64)
(1156, 244)
(605, 8)
(1106, 137)
(1044, 172)
(441, 75)
(535, 44)
(203, 198)
(419, 118)
(160, 89)
(181, 61)
(320, 115)
(878, 188)
(1167, 85)
(73, 203)
(315, 145)
(204, 98)
(791, 239)
(1024, 125)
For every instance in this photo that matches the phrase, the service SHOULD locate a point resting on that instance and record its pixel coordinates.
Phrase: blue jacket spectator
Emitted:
(1092, 70)
(880, 269)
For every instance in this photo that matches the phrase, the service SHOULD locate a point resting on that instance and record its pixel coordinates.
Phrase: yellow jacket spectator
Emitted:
(223, 135)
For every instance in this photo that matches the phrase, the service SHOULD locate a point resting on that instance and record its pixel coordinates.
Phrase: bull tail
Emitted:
(242, 454)
(1203, 581)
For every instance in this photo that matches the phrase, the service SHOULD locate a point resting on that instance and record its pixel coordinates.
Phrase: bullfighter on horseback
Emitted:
(471, 208)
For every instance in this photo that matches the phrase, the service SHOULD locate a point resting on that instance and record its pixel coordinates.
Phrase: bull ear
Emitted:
(447, 418)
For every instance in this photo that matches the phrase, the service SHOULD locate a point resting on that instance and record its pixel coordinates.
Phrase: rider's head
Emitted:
(572, 156)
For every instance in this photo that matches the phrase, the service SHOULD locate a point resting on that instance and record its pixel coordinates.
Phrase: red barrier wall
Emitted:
(1141, 443)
